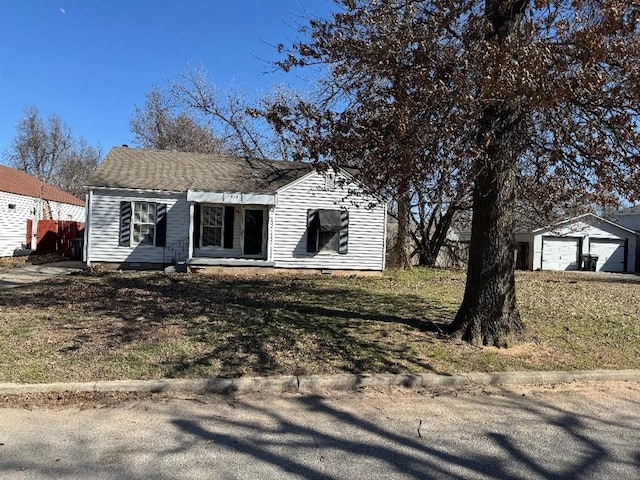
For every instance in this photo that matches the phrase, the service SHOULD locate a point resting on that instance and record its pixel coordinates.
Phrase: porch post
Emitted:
(270, 227)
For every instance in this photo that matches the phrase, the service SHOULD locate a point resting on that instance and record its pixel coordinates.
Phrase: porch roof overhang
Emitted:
(231, 198)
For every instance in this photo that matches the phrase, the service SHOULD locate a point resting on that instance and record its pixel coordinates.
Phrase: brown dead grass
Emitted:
(109, 325)
(524, 350)
(17, 262)
(78, 400)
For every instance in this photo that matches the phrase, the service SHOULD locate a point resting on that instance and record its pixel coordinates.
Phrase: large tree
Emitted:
(193, 115)
(501, 94)
(236, 120)
(163, 124)
(40, 145)
(76, 167)
(47, 149)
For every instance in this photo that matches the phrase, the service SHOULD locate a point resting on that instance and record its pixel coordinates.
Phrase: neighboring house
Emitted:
(564, 245)
(561, 246)
(24, 200)
(148, 209)
(630, 218)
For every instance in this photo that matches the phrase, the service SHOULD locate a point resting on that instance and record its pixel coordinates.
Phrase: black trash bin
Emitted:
(594, 262)
(586, 262)
(76, 249)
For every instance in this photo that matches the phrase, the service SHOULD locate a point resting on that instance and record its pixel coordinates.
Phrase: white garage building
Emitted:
(562, 246)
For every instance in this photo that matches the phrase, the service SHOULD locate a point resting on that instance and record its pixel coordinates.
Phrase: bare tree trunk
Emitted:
(403, 238)
(437, 240)
(489, 311)
(434, 218)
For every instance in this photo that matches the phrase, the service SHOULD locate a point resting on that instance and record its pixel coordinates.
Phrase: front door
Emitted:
(253, 231)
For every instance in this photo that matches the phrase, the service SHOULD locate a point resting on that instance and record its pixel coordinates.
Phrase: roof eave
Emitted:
(135, 189)
(238, 198)
(584, 215)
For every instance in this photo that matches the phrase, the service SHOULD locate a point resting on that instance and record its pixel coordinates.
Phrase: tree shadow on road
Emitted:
(498, 434)
(499, 451)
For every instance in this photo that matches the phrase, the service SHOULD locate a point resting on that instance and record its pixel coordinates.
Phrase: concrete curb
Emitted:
(321, 383)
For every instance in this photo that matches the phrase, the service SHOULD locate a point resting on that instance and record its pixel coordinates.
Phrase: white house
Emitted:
(630, 218)
(562, 246)
(24, 200)
(149, 208)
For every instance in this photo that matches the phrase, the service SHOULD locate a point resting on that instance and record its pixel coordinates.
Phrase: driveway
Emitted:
(17, 277)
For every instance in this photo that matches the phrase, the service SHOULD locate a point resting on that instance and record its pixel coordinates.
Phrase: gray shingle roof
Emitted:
(630, 211)
(180, 171)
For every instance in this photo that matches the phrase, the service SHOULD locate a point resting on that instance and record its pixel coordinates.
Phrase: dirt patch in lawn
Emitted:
(534, 352)
(109, 325)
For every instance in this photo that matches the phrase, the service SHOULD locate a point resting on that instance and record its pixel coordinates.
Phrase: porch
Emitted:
(227, 262)
(225, 229)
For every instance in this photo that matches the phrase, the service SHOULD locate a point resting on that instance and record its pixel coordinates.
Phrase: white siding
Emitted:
(630, 221)
(67, 212)
(13, 222)
(286, 233)
(104, 228)
(366, 226)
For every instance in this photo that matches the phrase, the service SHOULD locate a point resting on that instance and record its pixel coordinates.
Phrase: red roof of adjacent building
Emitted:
(22, 183)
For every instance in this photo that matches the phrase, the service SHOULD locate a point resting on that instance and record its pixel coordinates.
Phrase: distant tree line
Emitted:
(48, 149)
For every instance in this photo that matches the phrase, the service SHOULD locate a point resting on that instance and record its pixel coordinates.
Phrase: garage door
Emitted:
(560, 253)
(610, 254)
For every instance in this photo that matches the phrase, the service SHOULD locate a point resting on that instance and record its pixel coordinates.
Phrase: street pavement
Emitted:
(565, 431)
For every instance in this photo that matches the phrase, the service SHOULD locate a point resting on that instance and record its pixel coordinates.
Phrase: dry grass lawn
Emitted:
(16, 262)
(95, 326)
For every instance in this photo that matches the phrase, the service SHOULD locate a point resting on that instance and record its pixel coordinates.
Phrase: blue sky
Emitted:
(91, 61)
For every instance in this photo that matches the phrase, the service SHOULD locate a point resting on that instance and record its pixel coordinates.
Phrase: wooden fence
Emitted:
(55, 236)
